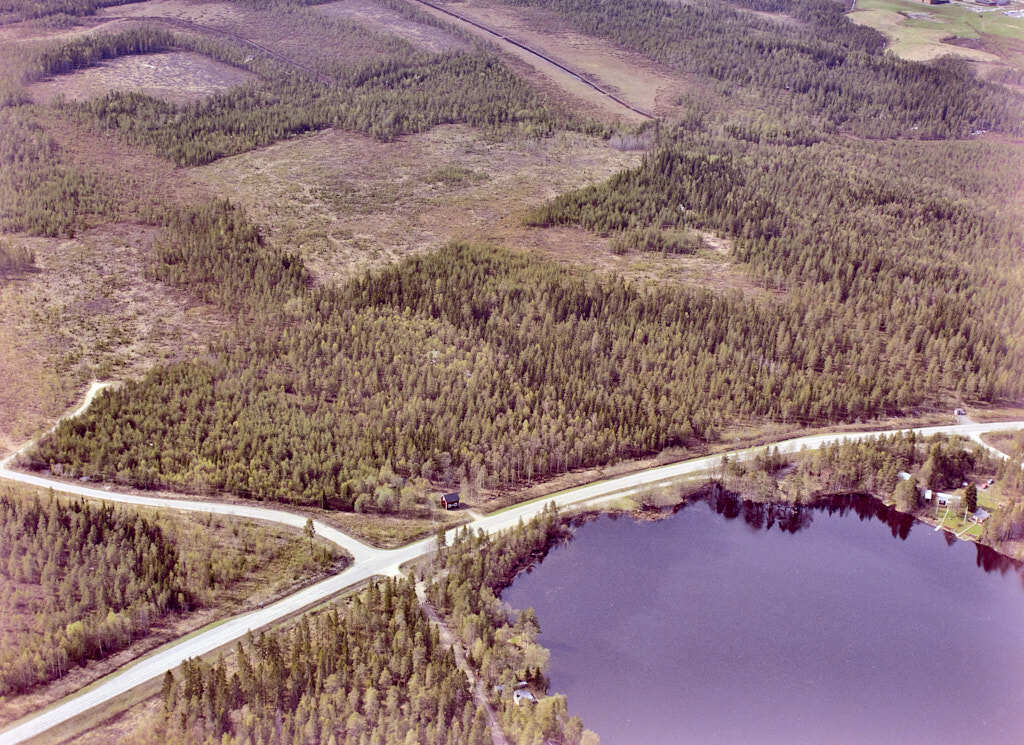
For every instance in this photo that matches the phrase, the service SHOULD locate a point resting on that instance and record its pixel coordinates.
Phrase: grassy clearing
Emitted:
(920, 36)
(1006, 442)
(258, 564)
(997, 414)
(177, 77)
(386, 531)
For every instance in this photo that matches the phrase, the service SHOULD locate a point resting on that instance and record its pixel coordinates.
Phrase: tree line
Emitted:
(826, 67)
(470, 364)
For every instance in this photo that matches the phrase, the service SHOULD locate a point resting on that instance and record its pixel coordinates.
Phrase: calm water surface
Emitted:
(730, 623)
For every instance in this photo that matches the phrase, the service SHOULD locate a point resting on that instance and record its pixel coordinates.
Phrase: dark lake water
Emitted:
(734, 623)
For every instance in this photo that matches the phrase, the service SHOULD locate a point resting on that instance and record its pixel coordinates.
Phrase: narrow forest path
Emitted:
(476, 685)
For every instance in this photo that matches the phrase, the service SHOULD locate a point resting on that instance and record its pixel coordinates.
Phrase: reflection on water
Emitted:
(742, 622)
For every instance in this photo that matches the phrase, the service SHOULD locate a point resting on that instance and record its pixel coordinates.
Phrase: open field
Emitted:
(267, 561)
(388, 531)
(385, 20)
(178, 77)
(1004, 441)
(925, 32)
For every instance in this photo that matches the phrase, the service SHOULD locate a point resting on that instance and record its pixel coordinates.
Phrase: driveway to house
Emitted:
(367, 561)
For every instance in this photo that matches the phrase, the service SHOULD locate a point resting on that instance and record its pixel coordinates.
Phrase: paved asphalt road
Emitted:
(367, 561)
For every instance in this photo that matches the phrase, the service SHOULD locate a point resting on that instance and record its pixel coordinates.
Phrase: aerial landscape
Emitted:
(511, 371)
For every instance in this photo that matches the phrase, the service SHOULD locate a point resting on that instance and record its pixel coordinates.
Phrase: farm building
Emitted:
(450, 501)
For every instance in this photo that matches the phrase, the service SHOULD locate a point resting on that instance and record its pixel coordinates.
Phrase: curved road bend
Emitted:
(368, 561)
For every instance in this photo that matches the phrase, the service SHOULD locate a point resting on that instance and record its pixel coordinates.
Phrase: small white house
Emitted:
(521, 694)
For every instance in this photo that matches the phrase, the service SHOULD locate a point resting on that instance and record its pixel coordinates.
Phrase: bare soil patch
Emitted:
(385, 20)
(178, 77)
(88, 312)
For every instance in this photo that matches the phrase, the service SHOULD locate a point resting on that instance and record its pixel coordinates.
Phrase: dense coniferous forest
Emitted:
(473, 364)
(94, 576)
(934, 272)
(81, 582)
(826, 66)
(375, 674)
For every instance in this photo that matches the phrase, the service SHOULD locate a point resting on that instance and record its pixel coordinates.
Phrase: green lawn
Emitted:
(951, 19)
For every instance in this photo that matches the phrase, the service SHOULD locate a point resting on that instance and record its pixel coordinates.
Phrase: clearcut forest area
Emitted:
(849, 188)
(347, 256)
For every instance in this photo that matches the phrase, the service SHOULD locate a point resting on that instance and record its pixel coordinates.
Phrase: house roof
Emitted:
(451, 497)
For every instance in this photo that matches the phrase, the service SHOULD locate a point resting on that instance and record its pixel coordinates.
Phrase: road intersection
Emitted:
(367, 561)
